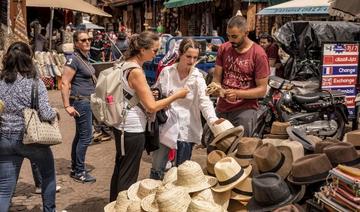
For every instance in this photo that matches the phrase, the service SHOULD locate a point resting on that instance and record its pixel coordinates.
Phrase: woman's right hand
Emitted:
(181, 93)
(71, 111)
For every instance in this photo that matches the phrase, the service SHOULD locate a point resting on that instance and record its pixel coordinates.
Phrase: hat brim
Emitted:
(110, 207)
(210, 182)
(240, 197)
(295, 193)
(132, 192)
(287, 165)
(301, 137)
(241, 162)
(239, 130)
(147, 204)
(290, 178)
(220, 188)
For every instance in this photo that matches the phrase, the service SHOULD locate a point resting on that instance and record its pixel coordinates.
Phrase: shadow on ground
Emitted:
(94, 204)
(63, 166)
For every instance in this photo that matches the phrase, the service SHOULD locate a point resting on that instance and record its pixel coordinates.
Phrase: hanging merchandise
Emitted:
(251, 17)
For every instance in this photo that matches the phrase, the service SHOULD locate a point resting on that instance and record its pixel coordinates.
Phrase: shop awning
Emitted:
(116, 3)
(270, 2)
(349, 9)
(298, 7)
(181, 3)
(77, 5)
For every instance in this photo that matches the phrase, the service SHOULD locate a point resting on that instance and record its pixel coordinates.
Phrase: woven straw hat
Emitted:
(226, 136)
(208, 194)
(245, 150)
(134, 206)
(120, 205)
(229, 173)
(143, 188)
(212, 158)
(191, 177)
(170, 176)
(269, 158)
(242, 191)
(204, 206)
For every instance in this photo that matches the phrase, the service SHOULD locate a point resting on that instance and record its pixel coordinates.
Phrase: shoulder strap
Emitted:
(93, 77)
(35, 94)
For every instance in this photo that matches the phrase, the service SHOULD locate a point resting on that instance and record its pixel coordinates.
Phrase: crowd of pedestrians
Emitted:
(242, 70)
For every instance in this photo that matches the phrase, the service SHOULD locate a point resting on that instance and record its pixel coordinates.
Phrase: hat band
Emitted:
(311, 178)
(232, 179)
(353, 162)
(246, 193)
(278, 166)
(243, 156)
(357, 147)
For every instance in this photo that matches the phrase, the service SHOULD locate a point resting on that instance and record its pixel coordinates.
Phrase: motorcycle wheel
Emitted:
(338, 117)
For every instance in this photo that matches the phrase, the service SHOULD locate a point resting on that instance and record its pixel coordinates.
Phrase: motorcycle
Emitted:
(323, 114)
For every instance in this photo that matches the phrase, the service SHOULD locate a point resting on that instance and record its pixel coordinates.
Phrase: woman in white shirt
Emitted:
(187, 110)
(142, 47)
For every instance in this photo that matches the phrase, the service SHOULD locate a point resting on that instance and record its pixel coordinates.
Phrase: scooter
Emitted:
(323, 114)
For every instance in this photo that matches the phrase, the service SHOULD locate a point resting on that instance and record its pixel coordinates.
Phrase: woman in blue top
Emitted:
(16, 80)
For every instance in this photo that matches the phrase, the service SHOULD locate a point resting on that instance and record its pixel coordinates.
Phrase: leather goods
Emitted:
(37, 131)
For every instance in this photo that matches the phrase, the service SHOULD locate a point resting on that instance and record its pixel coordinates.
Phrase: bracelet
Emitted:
(67, 106)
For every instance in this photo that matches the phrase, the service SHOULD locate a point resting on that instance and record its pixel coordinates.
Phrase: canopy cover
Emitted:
(77, 5)
(297, 7)
(180, 3)
(348, 9)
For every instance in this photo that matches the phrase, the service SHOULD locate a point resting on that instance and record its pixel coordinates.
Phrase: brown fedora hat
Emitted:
(270, 192)
(212, 158)
(245, 150)
(269, 158)
(279, 128)
(243, 191)
(310, 169)
(342, 153)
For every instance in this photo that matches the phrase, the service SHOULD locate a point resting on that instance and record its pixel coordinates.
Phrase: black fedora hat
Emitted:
(270, 191)
(298, 135)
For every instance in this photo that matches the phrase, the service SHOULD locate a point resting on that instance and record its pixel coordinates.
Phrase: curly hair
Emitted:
(144, 40)
(18, 59)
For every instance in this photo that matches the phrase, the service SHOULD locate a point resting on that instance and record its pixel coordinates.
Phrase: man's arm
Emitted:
(258, 92)
(217, 77)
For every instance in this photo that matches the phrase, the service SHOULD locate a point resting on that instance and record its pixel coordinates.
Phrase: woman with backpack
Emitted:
(142, 47)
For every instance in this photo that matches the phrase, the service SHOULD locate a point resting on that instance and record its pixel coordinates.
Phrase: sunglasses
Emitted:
(85, 39)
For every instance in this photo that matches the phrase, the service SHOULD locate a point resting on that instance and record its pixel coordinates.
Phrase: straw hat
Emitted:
(310, 169)
(143, 188)
(170, 176)
(212, 158)
(296, 148)
(120, 205)
(191, 177)
(243, 191)
(271, 191)
(245, 150)
(342, 153)
(269, 158)
(229, 173)
(203, 205)
(208, 194)
(134, 206)
(236, 206)
(226, 136)
(167, 198)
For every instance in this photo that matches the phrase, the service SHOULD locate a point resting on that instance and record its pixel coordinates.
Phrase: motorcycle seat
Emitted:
(307, 98)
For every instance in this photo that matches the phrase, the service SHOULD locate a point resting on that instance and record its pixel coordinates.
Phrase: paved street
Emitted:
(76, 196)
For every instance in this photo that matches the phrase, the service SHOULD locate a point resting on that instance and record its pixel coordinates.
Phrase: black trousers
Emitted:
(126, 168)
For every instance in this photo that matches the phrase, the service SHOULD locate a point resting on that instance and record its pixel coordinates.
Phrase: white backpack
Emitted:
(107, 103)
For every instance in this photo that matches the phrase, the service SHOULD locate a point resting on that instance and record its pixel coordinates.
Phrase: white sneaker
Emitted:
(168, 165)
(38, 190)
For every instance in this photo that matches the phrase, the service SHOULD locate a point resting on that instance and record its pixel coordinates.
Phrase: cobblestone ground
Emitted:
(73, 196)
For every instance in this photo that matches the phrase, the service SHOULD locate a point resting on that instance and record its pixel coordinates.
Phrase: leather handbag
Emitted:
(37, 131)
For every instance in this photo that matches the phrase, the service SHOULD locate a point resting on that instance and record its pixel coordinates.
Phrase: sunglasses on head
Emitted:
(85, 39)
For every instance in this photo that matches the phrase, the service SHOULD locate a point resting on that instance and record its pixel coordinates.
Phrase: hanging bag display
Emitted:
(37, 131)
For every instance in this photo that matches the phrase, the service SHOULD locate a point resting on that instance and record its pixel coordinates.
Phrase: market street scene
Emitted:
(179, 105)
